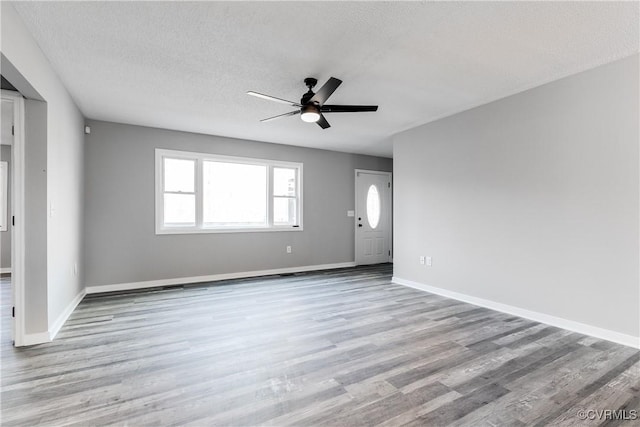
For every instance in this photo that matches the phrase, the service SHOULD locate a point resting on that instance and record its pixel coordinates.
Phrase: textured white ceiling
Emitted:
(187, 65)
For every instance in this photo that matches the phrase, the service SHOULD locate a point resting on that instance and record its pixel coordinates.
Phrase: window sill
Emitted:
(225, 230)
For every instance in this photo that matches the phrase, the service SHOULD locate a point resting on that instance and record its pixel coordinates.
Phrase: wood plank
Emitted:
(337, 347)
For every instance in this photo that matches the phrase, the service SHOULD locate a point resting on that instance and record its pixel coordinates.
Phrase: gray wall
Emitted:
(35, 206)
(120, 240)
(5, 236)
(530, 201)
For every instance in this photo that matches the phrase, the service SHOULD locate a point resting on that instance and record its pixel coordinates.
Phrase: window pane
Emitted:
(284, 211)
(179, 209)
(234, 194)
(284, 182)
(373, 206)
(179, 175)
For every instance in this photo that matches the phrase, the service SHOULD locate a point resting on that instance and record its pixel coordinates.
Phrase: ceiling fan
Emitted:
(312, 105)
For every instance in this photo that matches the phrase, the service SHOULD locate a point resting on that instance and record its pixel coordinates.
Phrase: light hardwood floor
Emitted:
(343, 347)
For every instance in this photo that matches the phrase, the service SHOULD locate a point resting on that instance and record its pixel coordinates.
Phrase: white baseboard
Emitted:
(582, 328)
(4, 270)
(59, 322)
(38, 338)
(212, 278)
(45, 337)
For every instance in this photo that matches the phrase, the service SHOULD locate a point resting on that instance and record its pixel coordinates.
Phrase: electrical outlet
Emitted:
(288, 249)
(422, 259)
(429, 264)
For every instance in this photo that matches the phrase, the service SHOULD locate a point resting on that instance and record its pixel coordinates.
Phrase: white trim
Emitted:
(570, 325)
(37, 338)
(4, 194)
(59, 322)
(212, 278)
(45, 337)
(191, 230)
(199, 227)
(385, 173)
(5, 270)
(17, 211)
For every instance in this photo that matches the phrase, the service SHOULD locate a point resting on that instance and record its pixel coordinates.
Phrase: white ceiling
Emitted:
(187, 66)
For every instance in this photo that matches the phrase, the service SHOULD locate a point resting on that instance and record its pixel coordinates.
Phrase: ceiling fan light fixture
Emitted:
(310, 113)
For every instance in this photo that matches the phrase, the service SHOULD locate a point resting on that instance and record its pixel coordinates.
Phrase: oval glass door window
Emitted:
(373, 206)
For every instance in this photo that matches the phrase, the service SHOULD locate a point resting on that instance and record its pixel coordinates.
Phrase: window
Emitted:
(179, 192)
(373, 206)
(205, 193)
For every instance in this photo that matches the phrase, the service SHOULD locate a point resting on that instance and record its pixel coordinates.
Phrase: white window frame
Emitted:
(200, 158)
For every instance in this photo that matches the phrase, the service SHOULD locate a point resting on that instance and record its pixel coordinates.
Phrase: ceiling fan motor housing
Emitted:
(306, 98)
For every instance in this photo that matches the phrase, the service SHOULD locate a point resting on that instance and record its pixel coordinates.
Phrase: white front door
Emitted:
(373, 217)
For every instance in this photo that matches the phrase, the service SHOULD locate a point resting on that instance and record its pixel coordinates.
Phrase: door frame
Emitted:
(17, 212)
(389, 175)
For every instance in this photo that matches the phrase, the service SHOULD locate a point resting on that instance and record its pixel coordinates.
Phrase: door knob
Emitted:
(359, 225)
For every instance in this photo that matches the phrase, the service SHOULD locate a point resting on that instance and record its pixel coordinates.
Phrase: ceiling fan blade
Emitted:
(273, 98)
(291, 113)
(323, 123)
(325, 91)
(347, 108)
